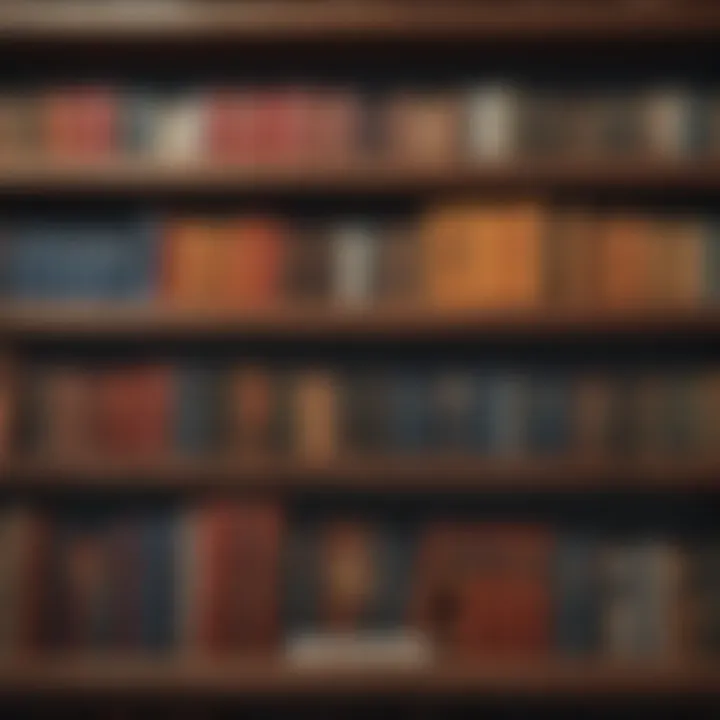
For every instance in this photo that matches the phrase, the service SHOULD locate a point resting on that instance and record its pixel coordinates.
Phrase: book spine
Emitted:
(354, 250)
(317, 406)
(492, 111)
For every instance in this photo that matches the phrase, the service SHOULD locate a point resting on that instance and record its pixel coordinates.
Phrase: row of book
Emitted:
(453, 256)
(311, 124)
(152, 410)
(223, 577)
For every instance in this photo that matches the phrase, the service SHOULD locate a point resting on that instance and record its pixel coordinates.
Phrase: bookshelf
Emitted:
(352, 474)
(270, 680)
(332, 25)
(123, 177)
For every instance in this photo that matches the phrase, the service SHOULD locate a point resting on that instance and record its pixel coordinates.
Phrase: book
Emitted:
(174, 126)
(570, 266)
(230, 128)
(549, 414)
(625, 246)
(710, 283)
(543, 123)
(158, 581)
(703, 601)
(493, 124)
(620, 123)
(315, 413)
(283, 119)
(189, 262)
(335, 133)
(254, 426)
(349, 577)
(576, 593)
(7, 410)
(453, 411)
(62, 419)
(236, 591)
(593, 414)
(669, 120)
(508, 414)
(365, 424)
(354, 264)
(483, 590)
(423, 126)
(409, 411)
(309, 270)
(200, 414)
(398, 274)
(249, 263)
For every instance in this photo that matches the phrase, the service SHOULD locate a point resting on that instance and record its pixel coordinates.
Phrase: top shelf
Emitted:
(338, 22)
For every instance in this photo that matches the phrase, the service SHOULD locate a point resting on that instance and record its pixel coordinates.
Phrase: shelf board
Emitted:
(363, 177)
(329, 21)
(105, 322)
(391, 474)
(265, 679)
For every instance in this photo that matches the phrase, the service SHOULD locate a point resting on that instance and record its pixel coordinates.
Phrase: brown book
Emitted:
(677, 257)
(254, 412)
(133, 410)
(423, 127)
(570, 260)
(6, 407)
(399, 279)
(708, 422)
(484, 590)
(308, 270)
(652, 408)
(65, 410)
(593, 415)
(237, 580)
(335, 131)
(626, 247)
(18, 126)
(316, 415)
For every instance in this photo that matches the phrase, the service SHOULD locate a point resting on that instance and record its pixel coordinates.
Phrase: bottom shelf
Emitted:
(259, 679)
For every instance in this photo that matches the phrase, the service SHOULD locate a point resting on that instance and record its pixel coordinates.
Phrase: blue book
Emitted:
(549, 414)
(199, 412)
(508, 414)
(409, 411)
(157, 582)
(577, 590)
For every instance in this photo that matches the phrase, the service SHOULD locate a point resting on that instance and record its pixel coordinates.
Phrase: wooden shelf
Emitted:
(394, 474)
(104, 322)
(361, 177)
(342, 22)
(273, 681)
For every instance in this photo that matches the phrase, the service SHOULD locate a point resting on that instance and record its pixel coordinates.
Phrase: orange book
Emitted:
(190, 260)
(251, 263)
(626, 254)
(517, 270)
(316, 415)
(456, 248)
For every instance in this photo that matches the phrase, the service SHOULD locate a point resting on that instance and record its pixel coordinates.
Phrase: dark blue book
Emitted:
(577, 590)
(549, 414)
(199, 416)
(508, 414)
(138, 272)
(409, 411)
(159, 534)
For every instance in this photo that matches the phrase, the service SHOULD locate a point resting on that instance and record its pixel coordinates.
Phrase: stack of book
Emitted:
(452, 257)
(152, 410)
(225, 577)
(491, 120)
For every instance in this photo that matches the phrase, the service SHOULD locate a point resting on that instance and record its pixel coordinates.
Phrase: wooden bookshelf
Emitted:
(396, 474)
(339, 22)
(36, 322)
(360, 177)
(272, 680)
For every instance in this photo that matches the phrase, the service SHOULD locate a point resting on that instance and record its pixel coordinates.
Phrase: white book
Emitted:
(667, 121)
(399, 649)
(492, 121)
(179, 131)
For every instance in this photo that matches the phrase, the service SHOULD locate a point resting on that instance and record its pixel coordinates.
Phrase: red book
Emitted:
(231, 126)
(80, 123)
(282, 126)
